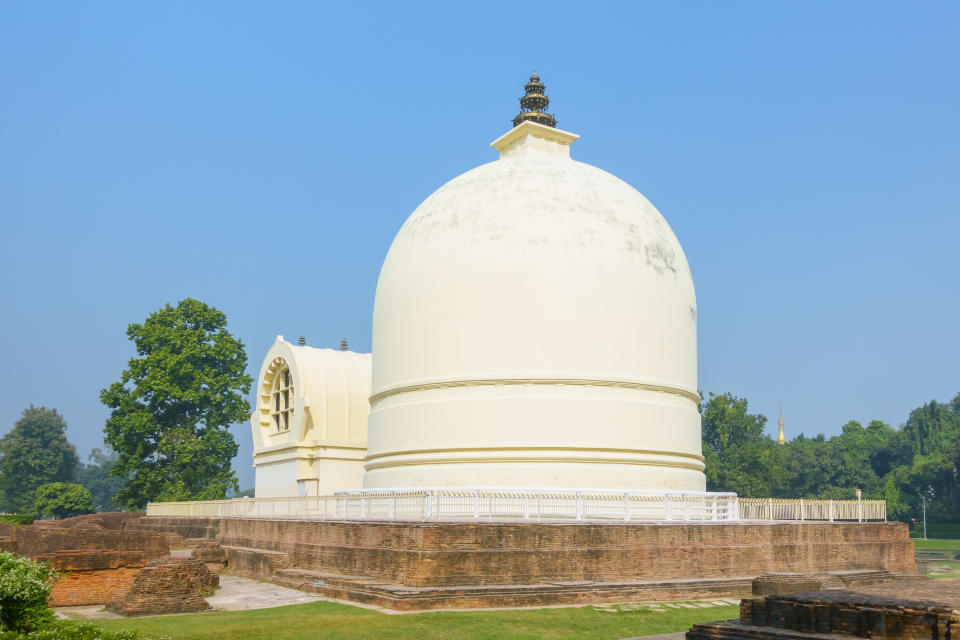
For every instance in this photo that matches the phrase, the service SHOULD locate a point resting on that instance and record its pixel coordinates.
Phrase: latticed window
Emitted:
(282, 409)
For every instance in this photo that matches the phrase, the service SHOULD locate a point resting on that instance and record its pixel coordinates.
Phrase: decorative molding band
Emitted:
(311, 445)
(649, 462)
(493, 382)
(595, 450)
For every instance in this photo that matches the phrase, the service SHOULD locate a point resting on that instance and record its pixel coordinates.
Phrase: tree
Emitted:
(34, 452)
(737, 454)
(95, 476)
(726, 425)
(24, 588)
(173, 404)
(62, 500)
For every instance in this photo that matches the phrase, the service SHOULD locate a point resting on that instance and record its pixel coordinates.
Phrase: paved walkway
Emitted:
(234, 594)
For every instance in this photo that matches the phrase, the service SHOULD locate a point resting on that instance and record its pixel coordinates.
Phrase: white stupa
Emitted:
(535, 326)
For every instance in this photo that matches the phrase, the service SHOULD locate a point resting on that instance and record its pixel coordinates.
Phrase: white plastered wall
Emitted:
(325, 445)
(535, 326)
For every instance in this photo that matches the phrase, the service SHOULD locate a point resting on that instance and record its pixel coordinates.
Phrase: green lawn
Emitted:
(937, 544)
(330, 620)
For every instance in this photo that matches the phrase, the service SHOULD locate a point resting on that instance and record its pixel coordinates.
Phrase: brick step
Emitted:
(371, 590)
(736, 630)
(865, 577)
(256, 563)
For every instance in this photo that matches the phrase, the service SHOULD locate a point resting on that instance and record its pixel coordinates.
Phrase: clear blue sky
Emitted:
(261, 156)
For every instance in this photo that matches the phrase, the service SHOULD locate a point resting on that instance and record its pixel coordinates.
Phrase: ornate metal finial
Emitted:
(343, 345)
(534, 103)
(302, 341)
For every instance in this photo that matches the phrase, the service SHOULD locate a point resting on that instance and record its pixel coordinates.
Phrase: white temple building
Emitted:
(534, 326)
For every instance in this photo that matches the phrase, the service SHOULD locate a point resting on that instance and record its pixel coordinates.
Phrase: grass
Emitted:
(328, 620)
(937, 544)
(945, 569)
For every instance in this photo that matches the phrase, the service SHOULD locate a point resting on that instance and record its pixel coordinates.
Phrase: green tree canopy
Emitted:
(173, 404)
(95, 476)
(62, 500)
(726, 425)
(738, 455)
(34, 452)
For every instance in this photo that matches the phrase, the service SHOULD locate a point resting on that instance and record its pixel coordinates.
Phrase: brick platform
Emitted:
(834, 614)
(435, 565)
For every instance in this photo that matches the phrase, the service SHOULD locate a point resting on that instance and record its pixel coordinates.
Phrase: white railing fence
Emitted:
(526, 505)
(803, 509)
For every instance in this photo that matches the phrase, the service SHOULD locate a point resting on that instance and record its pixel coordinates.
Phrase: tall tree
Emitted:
(173, 404)
(726, 425)
(737, 454)
(34, 452)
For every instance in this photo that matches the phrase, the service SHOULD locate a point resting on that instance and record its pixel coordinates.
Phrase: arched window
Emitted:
(282, 408)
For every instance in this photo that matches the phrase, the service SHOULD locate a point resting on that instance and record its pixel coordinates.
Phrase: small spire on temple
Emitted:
(534, 103)
(780, 438)
(343, 345)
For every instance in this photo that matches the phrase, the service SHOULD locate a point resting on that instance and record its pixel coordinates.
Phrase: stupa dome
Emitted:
(535, 326)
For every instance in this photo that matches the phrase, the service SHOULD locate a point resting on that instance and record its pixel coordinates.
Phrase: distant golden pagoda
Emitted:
(534, 103)
(780, 438)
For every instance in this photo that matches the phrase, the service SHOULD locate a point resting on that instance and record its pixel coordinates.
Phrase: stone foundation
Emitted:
(411, 565)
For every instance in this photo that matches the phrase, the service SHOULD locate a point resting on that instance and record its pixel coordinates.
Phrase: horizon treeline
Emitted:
(920, 459)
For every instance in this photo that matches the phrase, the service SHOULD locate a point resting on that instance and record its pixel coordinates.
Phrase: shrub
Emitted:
(24, 587)
(16, 518)
(62, 500)
(70, 630)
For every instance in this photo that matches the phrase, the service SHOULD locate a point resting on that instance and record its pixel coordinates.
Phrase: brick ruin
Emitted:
(834, 614)
(168, 585)
(98, 556)
(105, 559)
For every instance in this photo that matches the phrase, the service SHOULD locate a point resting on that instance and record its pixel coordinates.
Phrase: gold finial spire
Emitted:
(780, 438)
(534, 103)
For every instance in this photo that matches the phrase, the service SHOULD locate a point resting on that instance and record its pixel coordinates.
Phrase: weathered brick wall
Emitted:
(208, 528)
(443, 554)
(34, 541)
(170, 585)
(77, 588)
(92, 560)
